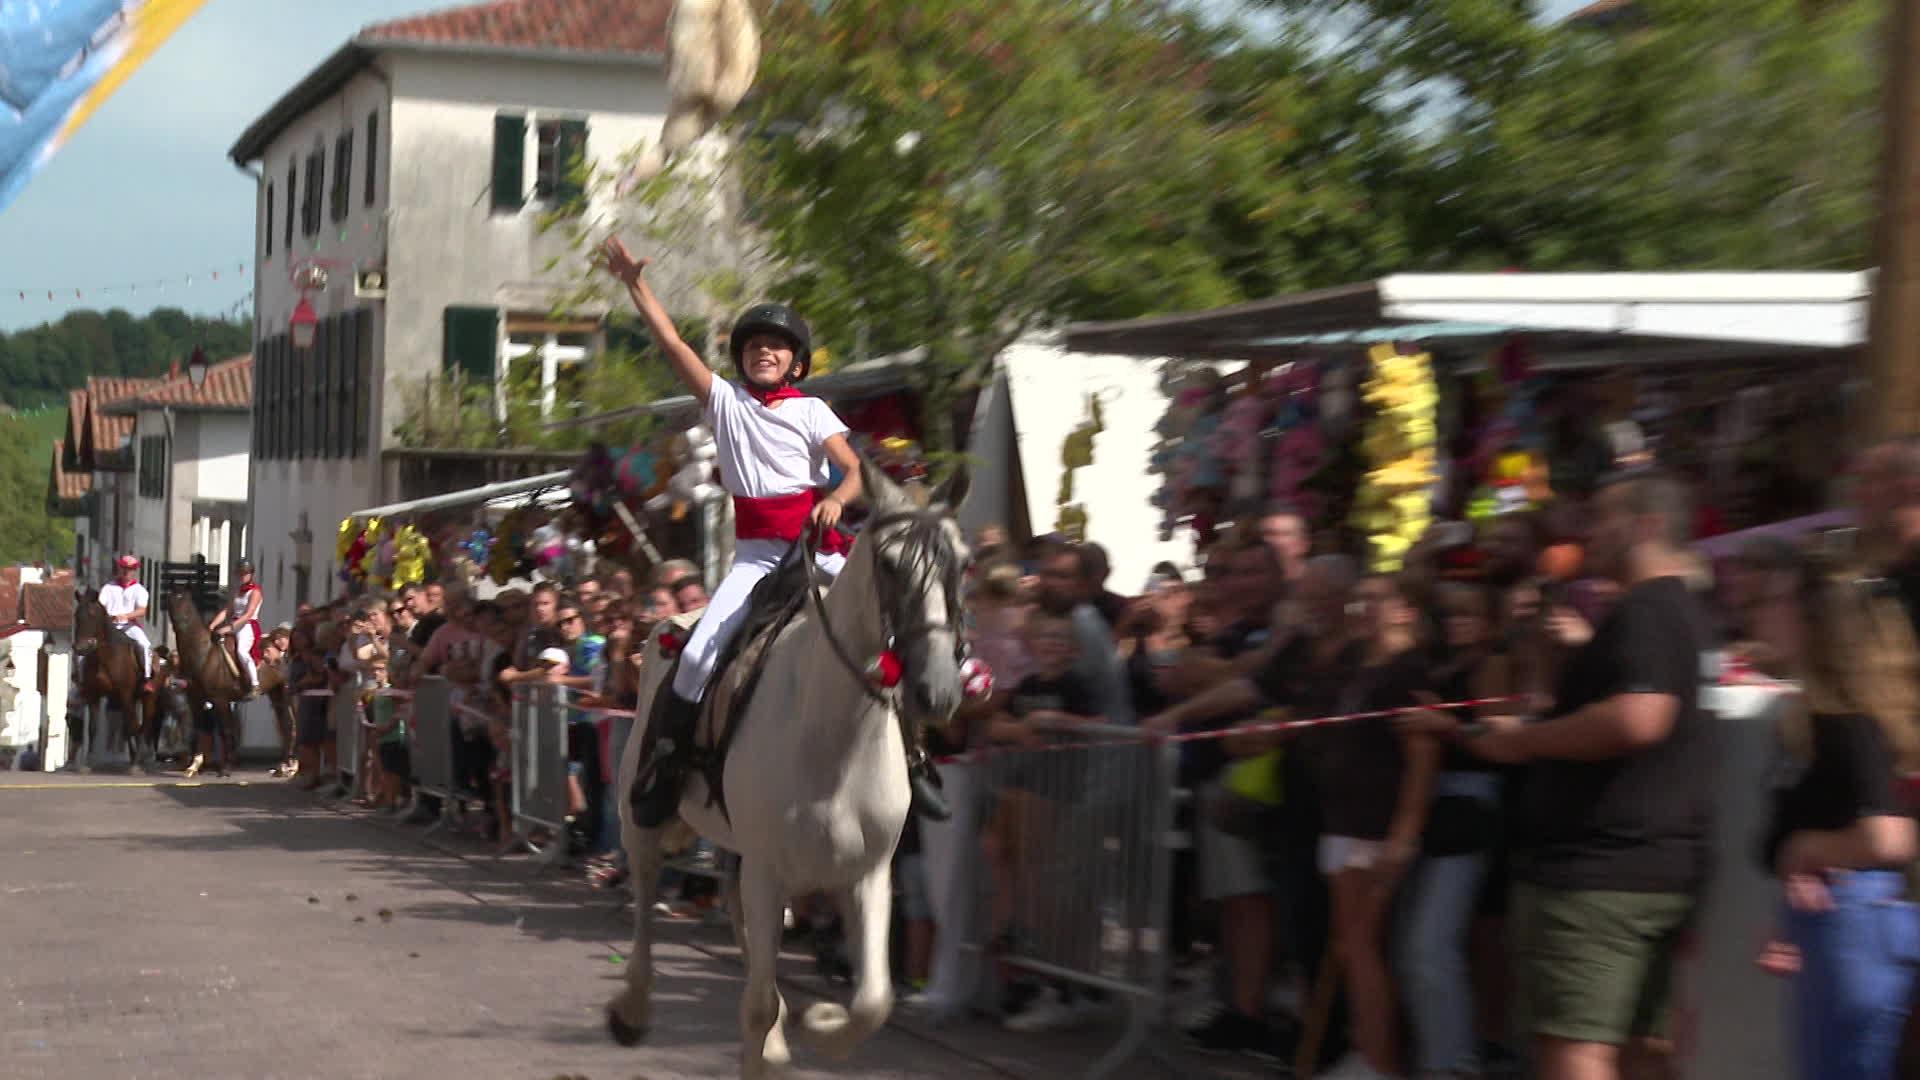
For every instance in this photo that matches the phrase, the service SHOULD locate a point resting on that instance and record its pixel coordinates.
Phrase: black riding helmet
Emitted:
(772, 319)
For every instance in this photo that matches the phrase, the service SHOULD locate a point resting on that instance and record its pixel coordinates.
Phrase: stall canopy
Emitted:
(1598, 318)
(486, 494)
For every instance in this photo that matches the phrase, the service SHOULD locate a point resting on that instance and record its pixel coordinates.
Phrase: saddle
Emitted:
(771, 608)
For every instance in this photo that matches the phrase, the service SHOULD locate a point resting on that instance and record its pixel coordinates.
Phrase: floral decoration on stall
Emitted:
(413, 554)
(1394, 503)
(356, 545)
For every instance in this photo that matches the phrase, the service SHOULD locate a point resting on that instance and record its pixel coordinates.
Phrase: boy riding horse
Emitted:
(774, 444)
(126, 602)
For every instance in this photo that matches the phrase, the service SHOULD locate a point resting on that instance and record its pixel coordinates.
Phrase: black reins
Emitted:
(923, 534)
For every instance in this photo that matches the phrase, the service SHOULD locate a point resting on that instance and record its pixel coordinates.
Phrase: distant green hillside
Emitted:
(39, 365)
(26, 454)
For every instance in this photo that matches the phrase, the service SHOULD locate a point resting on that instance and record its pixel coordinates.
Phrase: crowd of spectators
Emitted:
(1492, 866)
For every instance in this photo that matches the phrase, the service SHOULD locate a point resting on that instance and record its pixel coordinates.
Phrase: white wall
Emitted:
(1049, 388)
(449, 246)
(217, 467)
(433, 227)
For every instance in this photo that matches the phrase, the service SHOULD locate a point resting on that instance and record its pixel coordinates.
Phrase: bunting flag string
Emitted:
(33, 294)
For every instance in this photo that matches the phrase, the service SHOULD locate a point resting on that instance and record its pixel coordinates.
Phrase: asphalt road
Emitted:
(159, 929)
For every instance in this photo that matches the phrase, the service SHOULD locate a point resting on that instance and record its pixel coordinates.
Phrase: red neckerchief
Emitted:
(778, 393)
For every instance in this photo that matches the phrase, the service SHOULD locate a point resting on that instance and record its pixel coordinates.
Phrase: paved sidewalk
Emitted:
(239, 928)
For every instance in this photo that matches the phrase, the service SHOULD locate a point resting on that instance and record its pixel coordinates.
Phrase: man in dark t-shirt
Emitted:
(1615, 823)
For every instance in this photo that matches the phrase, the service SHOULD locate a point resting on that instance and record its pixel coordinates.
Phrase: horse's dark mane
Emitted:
(193, 641)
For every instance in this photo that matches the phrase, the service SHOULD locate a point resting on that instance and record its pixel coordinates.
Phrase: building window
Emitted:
(373, 153)
(310, 206)
(293, 176)
(509, 162)
(152, 475)
(559, 176)
(268, 231)
(470, 342)
(544, 363)
(342, 193)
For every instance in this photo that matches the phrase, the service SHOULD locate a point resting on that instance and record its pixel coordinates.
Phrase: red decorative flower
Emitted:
(885, 670)
(671, 644)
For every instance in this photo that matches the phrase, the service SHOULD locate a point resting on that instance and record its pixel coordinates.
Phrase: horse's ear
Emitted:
(953, 490)
(882, 492)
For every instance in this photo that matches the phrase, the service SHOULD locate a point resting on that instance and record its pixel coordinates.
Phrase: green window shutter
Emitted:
(509, 161)
(571, 185)
(324, 348)
(471, 341)
(363, 395)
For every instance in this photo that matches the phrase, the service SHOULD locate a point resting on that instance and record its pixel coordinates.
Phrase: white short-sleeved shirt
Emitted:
(122, 601)
(770, 452)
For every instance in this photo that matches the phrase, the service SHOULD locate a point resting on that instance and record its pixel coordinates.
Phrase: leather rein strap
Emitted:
(807, 547)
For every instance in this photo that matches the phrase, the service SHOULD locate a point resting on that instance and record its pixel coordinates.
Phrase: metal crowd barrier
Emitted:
(432, 743)
(1089, 820)
(349, 737)
(540, 765)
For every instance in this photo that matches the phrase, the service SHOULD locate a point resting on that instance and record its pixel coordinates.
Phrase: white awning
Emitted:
(1691, 315)
(487, 493)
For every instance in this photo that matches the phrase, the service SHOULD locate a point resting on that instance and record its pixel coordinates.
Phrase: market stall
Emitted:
(1371, 407)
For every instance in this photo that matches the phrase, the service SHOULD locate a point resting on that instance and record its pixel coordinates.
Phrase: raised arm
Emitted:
(687, 365)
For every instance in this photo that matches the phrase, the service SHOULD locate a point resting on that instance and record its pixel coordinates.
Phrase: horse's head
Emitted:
(920, 560)
(90, 622)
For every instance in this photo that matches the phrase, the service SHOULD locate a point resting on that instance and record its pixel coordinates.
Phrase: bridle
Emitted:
(902, 621)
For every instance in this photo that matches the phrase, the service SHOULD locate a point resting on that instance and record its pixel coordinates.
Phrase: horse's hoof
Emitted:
(624, 1033)
(84, 770)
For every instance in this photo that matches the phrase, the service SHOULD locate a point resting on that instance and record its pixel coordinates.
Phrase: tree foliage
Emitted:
(26, 453)
(953, 173)
(1682, 134)
(39, 365)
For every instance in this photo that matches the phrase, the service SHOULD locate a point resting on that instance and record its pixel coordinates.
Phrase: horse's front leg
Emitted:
(630, 1016)
(136, 714)
(763, 1047)
(868, 914)
(775, 1049)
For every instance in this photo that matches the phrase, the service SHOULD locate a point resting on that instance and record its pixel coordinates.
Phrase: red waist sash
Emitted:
(783, 517)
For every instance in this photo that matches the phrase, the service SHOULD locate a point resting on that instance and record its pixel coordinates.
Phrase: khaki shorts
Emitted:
(1596, 965)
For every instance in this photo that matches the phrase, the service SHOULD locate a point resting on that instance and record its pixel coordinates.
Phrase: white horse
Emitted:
(816, 780)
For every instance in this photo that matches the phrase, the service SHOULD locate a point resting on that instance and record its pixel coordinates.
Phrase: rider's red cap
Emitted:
(127, 562)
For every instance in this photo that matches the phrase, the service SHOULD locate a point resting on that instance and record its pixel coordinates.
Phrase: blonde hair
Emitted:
(1861, 658)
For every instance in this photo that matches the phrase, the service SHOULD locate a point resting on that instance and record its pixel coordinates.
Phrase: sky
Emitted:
(144, 192)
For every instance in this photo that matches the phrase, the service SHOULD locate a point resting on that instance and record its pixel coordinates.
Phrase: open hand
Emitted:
(619, 261)
(1567, 628)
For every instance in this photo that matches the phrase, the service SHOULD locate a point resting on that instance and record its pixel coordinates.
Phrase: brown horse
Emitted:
(110, 672)
(214, 687)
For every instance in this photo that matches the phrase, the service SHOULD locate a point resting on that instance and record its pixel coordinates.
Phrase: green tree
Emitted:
(950, 174)
(1685, 134)
(40, 364)
(26, 532)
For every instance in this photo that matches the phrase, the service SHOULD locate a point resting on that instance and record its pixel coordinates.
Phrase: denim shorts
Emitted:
(916, 901)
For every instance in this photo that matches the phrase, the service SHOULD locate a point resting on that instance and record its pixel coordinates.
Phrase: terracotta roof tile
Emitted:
(68, 486)
(637, 27)
(76, 416)
(229, 385)
(49, 606)
(106, 430)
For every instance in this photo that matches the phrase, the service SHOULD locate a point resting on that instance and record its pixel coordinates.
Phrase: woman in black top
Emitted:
(1840, 835)
(1376, 784)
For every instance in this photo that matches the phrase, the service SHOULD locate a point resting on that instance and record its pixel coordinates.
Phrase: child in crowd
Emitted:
(390, 735)
(1044, 708)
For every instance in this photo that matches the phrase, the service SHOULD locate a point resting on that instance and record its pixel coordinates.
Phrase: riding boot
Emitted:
(929, 801)
(663, 769)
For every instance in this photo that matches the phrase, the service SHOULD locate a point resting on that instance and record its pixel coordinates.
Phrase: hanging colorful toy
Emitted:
(1393, 505)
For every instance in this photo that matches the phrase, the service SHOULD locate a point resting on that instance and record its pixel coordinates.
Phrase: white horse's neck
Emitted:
(834, 686)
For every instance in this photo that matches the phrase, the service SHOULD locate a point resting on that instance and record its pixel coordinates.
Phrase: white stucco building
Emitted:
(190, 451)
(426, 152)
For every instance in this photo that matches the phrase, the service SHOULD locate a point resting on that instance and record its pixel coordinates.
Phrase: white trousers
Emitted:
(243, 636)
(139, 635)
(752, 560)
